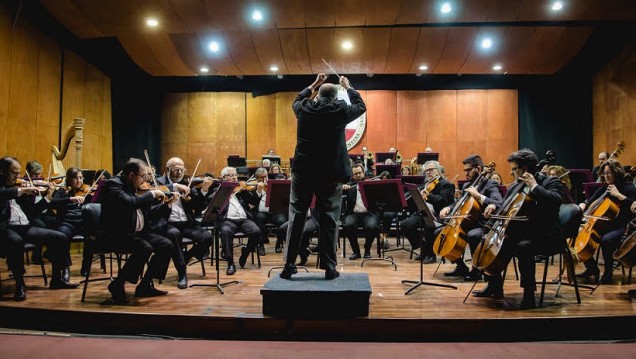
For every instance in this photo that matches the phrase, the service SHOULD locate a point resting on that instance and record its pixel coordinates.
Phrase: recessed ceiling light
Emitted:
(486, 43)
(214, 46)
(446, 8)
(257, 15)
(204, 70)
(152, 22)
(347, 45)
(273, 68)
(557, 5)
(497, 67)
(423, 67)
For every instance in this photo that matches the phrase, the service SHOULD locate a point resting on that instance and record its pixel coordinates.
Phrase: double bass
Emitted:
(495, 251)
(450, 243)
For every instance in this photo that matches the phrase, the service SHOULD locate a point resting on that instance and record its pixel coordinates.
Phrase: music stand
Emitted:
(428, 222)
(393, 170)
(380, 157)
(236, 161)
(423, 157)
(219, 201)
(578, 177)
(380, 196)
(277, 196)
(272, 159)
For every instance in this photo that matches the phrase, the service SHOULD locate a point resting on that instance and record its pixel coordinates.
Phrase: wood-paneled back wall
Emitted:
(35, 73)
(614, 108)
(211, 126)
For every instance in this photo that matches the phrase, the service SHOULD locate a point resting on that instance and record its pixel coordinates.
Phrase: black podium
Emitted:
(220, 200)
(380, 196)
(429, 222)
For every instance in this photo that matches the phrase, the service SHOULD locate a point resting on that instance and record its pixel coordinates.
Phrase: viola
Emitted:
(450, 243)
(495, 251)
(84, 190)
(598, 215)
(41, 185)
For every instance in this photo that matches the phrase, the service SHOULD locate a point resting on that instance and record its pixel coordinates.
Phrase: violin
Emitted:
(84, 190)
(430, 186)
(450, 243)
(494, 252)
(41, 185)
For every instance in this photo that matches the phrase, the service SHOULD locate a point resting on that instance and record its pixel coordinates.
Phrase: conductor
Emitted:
(320, 166)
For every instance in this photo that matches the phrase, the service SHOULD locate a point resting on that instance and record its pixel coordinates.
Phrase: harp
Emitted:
(75, 130)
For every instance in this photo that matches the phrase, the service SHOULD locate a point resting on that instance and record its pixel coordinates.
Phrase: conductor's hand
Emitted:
(344, 82)
(319, 80)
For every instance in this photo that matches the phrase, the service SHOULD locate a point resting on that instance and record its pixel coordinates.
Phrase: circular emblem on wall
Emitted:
(355, 129)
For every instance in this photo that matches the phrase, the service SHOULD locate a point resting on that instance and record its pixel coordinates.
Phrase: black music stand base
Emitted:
(218, 284)
(388, 259)
(417, 284)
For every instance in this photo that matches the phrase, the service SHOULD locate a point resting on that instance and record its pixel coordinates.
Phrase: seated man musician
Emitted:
(125, 217)
(541, 233)
(17, 207)
(237, 216)
(181, 222)
(262, 216)
(357, 215)
(486, 193)
(624, 194)
(438, 193)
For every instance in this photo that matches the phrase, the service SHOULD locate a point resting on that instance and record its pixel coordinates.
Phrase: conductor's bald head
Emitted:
(329, 91)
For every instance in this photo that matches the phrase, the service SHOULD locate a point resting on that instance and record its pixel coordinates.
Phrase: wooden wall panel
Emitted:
(31, 69)
(382, 121)
(231, 121)
(614, 106)
(261, 125)
(503, 134)
(411, 123)
(285, 125)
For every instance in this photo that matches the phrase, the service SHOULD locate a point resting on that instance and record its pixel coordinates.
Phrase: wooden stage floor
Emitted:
(428, 314)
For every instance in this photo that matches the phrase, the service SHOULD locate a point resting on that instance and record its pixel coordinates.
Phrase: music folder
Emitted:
(387, 195)
(278, 196)
(219, 201)
(427, 216)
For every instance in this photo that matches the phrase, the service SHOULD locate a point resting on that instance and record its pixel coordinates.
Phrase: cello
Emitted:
(450, 243)
(626, 252)
(600, 212)
(494, 252)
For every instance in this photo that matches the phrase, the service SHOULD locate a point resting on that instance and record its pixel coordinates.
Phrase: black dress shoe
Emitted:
(304, 256)
(183, 282)
(528, 302)
(590, 273)
(278, 249)
(331, 274)
(66, 274)
(288, 270)
(606, 278)
(261, 250)
(243, 258)
(148, 291)
(59, 283)
(473, 275)
(20, 293)
(430, 259)
(460, 271)
(489, 291)
(354, 256)
(118, 293)
(231, 269)
(367, 255)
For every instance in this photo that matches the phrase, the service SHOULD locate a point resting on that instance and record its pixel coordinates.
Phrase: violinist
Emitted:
(181, 220)
(624, 194)
(276, 170)
(16, 210)
(67, 202)
(486, 192)
(46, 219)
(542, 231)
(262, 216)
(357, 215)
(438, 193)
(125, 217)
(237, 216)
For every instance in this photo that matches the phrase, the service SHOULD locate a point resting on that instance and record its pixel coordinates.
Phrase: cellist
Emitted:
(487, 193)
(613, 175)
(540, 233)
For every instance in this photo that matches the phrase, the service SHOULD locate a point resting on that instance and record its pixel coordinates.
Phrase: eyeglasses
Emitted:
(178, 170)
(143, 175)
(468, 169)
(429, 170)
(512, 169)
(607, 173)
(231, 175)
(14, 173)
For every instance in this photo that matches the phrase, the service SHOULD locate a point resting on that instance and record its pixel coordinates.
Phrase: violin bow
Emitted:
(154, 180)
(195, 172)
(94, 183)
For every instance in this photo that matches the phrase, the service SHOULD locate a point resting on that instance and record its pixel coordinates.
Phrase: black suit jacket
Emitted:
(442, 195)
(321, 149)
(119, 207)
(194, 206)
(352, 196)
(625, 214)
(27, 203)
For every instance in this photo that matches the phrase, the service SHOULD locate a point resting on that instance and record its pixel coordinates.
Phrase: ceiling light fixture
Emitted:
(152, 22)
(347, 45)
(273, 68)
(257, 15)
(557, 5)
(214, 46)
(497, 67)
(486, 43)
(204, 70)
(446, 8)
(423, 67)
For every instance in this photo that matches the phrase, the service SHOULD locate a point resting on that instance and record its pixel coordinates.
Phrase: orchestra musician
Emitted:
(181, 221)
(125, 217)
(539, 234)
(405, 171)
(237, 216)
(613, 175)
(441, 195)
(486, 193)
(17, 206)
(320, 165)
(602, 157)
(46, 219)
(68, 203)
(262, 216)
(357, 215)
(562, 174)
(276, 169)
(367, 161)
